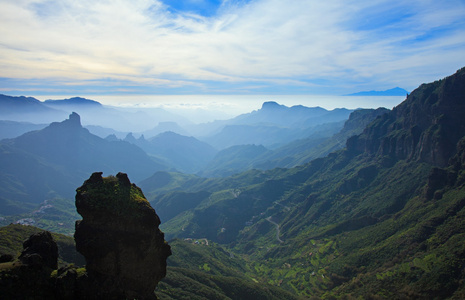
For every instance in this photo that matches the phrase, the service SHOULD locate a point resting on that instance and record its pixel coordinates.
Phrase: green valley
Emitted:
(381, 218)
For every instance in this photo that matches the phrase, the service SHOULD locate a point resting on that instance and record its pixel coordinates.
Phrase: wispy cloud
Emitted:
(308, 46)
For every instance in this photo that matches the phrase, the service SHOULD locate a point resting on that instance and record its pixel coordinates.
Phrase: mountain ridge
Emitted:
(384, 211)
(49, 162)
(417, 128)
(397, 91)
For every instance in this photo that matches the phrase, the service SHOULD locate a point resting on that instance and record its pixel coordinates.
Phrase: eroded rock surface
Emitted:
(119, 236)
(40, 250)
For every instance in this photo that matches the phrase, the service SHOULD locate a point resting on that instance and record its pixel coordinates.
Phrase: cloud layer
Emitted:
(261, 46)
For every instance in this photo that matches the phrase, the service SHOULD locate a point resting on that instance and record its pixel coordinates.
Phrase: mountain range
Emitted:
(397, 91)
(382, 218)
(48, 163)
(273, 125)
(29, 109)
(373, 210)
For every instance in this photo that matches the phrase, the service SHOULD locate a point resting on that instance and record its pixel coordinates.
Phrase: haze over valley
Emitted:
(279, 187)
(232, 149)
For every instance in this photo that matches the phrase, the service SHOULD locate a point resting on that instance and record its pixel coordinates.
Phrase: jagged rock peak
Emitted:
(75, 118)
(74, 121)
(119, 237)
(130, 138)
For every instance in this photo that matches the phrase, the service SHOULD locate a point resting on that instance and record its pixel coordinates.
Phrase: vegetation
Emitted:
(200, 271)
(13, 236)
(55, 215)
(380, 219)
(383, 218)
(113, 195)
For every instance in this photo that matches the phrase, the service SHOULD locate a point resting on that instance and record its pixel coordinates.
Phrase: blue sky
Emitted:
(203, 8)
(101, 47)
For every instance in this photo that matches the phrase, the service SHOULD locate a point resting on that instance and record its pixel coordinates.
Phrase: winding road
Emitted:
(277, 229)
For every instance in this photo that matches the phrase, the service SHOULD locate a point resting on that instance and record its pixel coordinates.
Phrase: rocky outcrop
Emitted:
(425, 127)
(125, 251)
(119, 236)
(29, 277)
(40, 251)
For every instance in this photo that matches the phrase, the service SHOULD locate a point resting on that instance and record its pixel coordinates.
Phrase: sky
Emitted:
(226, 47)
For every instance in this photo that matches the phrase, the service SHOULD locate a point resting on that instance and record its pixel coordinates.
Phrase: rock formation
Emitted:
(119, 236)
(28, 277)
(40, 251)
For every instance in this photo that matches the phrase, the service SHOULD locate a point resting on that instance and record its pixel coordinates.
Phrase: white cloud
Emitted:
(279, 42)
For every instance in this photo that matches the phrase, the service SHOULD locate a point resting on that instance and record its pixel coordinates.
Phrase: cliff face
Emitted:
(425, 127)
(119, 236)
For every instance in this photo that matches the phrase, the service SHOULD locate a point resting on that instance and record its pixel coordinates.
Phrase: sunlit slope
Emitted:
(383, 217)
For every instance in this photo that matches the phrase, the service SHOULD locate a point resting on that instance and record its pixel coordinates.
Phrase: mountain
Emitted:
(186, 154)
(48, 163)
(320, 141)
(318, 144)
(19, 105)
(397, 91)
(232, 135)
(96, 114)
(12, 129)
(427, 127)
(271, 126)
(27, 109)
(234, 159)
(164, 127)
(73, 103)
(383, 218)
(277, 114)
(104, 132)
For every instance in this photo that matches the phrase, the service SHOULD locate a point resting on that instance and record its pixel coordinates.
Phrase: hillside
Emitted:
(199, 269)
(234, 159)
(320, 140)
(13, 236)
(383, 218)
(186, 154)
(196, 270)
(51, 162)
(27, 109)
(273, 125)
(318, 144)
(12, 129)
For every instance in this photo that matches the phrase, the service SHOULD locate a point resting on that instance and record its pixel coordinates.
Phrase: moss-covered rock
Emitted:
(119, 236)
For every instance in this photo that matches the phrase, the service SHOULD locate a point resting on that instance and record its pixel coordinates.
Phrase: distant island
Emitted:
(397, 91)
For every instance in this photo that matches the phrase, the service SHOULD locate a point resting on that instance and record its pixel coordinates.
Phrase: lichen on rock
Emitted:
(119, 236)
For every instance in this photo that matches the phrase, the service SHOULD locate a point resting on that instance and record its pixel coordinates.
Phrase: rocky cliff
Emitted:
(417, 129)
